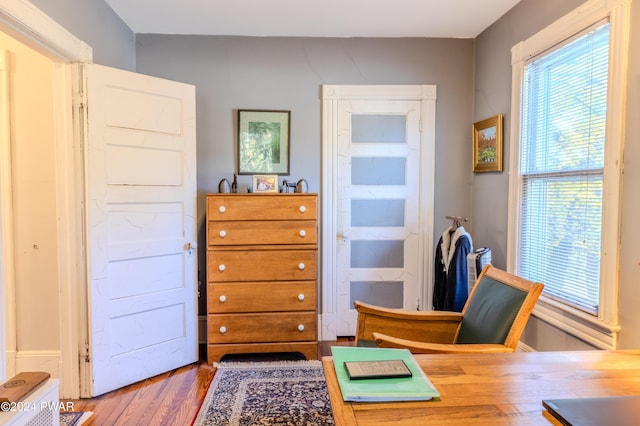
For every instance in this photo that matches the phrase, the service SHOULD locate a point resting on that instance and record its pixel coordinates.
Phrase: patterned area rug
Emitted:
(267, 393)
(74, 418)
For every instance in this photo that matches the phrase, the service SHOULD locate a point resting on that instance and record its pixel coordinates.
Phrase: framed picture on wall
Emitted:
(487, 145)
(263, 142)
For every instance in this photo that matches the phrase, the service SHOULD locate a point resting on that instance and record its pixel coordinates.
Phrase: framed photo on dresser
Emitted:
(265, 183)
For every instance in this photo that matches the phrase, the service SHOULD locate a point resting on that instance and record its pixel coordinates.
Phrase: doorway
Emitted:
(67, 54)
(31, 221)
(378, 147)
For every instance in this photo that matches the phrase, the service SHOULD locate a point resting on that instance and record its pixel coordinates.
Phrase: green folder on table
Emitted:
(418, 387)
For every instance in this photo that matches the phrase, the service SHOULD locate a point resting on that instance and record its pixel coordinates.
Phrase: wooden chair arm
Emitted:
(384, 341)
(401, 314)
(427, 326)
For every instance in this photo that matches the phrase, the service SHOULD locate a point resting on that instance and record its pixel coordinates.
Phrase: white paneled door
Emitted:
(383, 197)
(141, 226)
(378, 170)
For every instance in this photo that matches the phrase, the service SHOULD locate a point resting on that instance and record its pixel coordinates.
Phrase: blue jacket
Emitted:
(451, 287)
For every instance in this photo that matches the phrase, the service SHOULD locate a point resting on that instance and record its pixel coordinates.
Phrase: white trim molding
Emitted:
(601, 331)
(331, 94)
(599, 334)
(7, 289)
(24, 21)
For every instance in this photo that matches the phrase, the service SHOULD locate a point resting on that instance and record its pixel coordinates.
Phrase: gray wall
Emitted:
(287, 73)
(474, 82)
(490, 191)
(95, 23)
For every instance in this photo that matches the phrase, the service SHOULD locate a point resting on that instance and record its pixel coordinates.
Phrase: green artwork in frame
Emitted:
(263, 142)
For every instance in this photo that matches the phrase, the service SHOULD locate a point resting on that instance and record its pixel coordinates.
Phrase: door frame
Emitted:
(28, 24)
(331, 95)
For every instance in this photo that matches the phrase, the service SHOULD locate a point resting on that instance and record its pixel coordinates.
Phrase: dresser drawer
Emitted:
(261, 297)
(261, 265)
(256, 328)
(262, 207)
(262, 232)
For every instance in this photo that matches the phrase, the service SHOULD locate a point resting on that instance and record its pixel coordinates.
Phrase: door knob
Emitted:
(191, 246)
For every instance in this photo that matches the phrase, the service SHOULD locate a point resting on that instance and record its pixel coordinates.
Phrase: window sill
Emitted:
(577, 323)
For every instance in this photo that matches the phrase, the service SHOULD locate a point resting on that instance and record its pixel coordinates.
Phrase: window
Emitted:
(564, 105)
(564, 198)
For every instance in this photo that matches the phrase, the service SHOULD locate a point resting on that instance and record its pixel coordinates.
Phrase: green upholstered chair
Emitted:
(492, 319)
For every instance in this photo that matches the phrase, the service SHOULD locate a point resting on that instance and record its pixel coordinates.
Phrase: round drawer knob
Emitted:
(222, 298)
(223, 233)
(221, 268)
(301, 266)
(222, 209)
(301, 297)
(302, 209)
(302, 233)
(301, 327)
(223, 329)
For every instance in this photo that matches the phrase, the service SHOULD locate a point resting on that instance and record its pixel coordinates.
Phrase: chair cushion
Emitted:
(491, 312)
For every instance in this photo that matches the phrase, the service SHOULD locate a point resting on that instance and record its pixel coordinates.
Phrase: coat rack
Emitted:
(457, 221)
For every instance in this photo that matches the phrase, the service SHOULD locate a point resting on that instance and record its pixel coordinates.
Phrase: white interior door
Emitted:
(378, 255)
(141, 226)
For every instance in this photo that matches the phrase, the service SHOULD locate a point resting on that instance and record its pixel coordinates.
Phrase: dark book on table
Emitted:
(385, 369)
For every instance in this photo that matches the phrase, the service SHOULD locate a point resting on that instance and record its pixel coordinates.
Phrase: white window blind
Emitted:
(563, 116)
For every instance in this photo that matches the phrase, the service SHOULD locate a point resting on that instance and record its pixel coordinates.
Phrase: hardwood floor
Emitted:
(172, 398)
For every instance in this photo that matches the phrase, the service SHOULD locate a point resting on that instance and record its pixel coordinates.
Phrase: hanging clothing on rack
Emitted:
(450, 288)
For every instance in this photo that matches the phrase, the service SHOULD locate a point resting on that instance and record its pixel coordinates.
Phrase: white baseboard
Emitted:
(523, 347)
(328, 327)
(48, 361)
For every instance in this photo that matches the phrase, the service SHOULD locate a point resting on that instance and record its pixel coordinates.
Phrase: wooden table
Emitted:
(496, 388)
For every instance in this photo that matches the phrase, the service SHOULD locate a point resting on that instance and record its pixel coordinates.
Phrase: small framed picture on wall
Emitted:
(487, 145)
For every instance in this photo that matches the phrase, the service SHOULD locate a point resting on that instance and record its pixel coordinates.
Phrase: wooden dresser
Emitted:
(262, 285)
